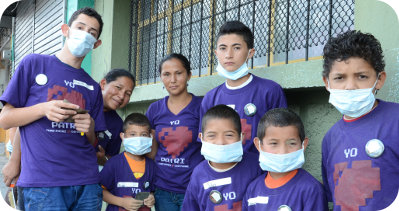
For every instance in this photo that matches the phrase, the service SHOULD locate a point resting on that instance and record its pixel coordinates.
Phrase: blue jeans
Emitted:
(80, 197)
(168, 201)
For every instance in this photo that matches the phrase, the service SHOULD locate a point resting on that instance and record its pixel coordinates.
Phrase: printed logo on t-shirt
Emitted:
(246, 128)
(237, 206)
(217, 183)
(175, 139)
(127, 185)
(356, 184)
(75, 82)
(258, 200)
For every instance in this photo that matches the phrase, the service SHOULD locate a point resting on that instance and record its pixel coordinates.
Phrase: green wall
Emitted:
(301, 81)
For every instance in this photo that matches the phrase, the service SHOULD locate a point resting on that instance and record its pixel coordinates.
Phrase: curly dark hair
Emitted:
(353, 44)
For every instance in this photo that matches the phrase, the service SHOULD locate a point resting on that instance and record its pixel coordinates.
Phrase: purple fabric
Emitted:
(302, 192)
(55, 154)
(203, 182)
(117, 171)
(178, 151)
(353, 180)
(263, 93)
(112, 144)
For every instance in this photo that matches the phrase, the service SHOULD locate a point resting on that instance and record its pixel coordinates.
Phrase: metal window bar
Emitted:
(285, 31)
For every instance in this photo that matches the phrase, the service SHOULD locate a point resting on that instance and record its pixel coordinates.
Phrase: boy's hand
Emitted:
(83, 122)
(131, 204)
(149, 201)
(58, 110)
(10, 172)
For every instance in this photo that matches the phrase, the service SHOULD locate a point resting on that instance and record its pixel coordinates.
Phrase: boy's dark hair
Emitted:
(280, 117)
(114, 74)
(136, 119)
(353, 44)
(89, 12)
(236, 27)
(222, 112)
(180, 57)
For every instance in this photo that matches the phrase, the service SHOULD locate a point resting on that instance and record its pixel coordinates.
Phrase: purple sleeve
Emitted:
(150, 115)
(315, 200)
(190, 201)
(17, 91)
(107, 175)
(277, 98)
(323, 168)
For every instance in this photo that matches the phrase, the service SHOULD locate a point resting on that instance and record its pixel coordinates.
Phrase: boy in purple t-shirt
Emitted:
(128, 178)
(220, 181)
(249, 95)
(281, 143)
(54, 101)
(360, 153)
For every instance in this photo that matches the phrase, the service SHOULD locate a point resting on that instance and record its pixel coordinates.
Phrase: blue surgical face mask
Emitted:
(281, 162)
(352, 103)
(239, 73)
(222, 153)
(80, 42)
(138, 145)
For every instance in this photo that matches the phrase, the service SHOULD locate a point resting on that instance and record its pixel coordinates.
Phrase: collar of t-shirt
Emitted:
(221, 170)
(276, 183)
(137, 167)
(240, 86)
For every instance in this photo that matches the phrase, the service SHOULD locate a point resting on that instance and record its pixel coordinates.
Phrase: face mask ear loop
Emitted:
(328, 84)
(375, 84)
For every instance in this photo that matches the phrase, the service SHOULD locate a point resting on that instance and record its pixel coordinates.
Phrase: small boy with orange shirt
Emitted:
(127, 178)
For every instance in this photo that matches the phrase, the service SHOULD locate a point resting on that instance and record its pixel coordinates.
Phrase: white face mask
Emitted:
(281, 162)
(222, 153)
(80, 42)
(138, 145)
(239, 73)
(352, 103)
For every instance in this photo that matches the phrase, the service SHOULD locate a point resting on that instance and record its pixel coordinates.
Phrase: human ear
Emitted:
(325, 80)
(305, 143)
(251, 53)
(97, 43)
(103, 82)
(64, 29)
(122, 135)
(381, 80)
(257, 142)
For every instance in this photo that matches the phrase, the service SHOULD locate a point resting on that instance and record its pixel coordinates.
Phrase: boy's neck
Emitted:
(277, 175)
(238, 82)
(66, 57)
(135, 157)
(222, 166)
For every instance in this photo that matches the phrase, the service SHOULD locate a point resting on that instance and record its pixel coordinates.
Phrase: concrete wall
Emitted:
(302, 81)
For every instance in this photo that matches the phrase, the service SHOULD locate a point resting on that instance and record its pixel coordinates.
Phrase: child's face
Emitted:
(220, 131)
(174, 76)
(280, 140)
(354, 73)
(232, 51)
(135, 131)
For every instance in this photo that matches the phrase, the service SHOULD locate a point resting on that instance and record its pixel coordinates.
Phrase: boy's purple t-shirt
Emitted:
(55, 154)
(353, 180)
(263, 93)
(229, 186)
(110, 139)
(303, 192)
(178, 151)
(119, 180)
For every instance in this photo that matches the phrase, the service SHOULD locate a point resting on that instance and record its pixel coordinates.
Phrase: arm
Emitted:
(12, 169)
(126, 203)
(154, 147)
(53, 110)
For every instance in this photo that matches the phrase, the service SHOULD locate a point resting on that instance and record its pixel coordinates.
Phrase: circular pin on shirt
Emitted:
(374, 148)
(284, 208)
(215, 197)
(41, 79)
(250, 109)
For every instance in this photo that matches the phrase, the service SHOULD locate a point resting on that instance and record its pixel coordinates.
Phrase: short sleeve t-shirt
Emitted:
(54, 153)
(211, 190)
(257, 97)
(354, 180)
(302, 192)
(178, 151)
(117, 177)
(110, 139)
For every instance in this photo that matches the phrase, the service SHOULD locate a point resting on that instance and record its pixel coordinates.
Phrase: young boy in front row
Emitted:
(219, 182)
(360, 153)
(128, 178)
(281, 143)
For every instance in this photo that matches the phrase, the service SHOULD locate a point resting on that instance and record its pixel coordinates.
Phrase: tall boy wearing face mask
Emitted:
(281, 143)
(127, 174)
(360, 153)
(219, 182)
(249, 95)
(58, 160)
